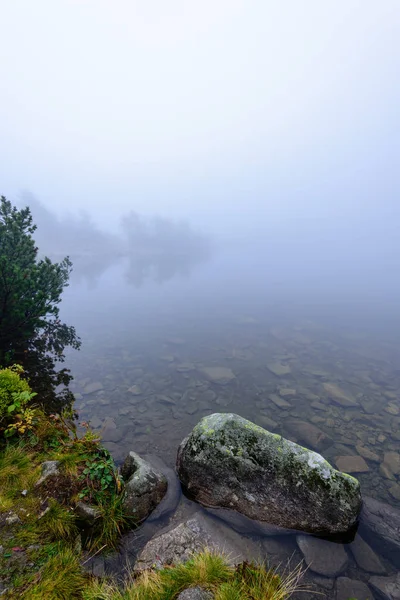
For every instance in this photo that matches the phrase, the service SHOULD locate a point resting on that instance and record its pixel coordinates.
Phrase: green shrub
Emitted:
(13, 391)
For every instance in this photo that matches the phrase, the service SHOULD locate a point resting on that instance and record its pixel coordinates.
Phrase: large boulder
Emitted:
(144, 487)
(229, 462)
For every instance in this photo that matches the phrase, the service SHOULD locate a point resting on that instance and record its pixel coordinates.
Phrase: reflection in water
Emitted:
(155, 248)
(159, 249)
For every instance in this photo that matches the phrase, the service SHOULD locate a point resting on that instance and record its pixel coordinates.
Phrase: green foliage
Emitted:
(99, 475)
(31, 332)
(15, 392)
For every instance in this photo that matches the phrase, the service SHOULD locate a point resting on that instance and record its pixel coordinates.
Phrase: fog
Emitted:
(225, 178)
(208, 154)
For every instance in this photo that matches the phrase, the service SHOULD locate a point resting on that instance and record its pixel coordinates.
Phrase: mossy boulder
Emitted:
(229, 462)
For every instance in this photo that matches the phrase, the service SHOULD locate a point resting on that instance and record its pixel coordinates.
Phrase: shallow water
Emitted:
(141, 376)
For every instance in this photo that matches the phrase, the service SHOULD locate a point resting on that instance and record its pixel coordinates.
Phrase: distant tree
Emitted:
(31, 333)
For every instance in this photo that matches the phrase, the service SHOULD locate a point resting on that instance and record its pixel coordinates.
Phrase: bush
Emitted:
(14, 392)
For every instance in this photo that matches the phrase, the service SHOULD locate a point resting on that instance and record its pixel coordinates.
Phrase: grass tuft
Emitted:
(15, 467)
(61, 578)
(110, 525)
(58, 522)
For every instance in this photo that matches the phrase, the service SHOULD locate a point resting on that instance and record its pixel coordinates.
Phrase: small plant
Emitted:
(25, 422)
(100, 476)
(15, 393)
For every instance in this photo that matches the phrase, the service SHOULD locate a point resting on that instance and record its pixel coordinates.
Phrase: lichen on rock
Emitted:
(230, 462)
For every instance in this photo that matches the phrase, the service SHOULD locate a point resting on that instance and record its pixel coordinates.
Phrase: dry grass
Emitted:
(209, 571)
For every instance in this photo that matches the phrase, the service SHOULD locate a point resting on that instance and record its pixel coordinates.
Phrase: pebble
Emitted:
(351, 464)
(394, 491)
(352, 588)
(367, 453)
(365, 557)
(323, 557)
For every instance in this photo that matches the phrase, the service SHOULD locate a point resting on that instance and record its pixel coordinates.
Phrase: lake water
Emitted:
(313, 349)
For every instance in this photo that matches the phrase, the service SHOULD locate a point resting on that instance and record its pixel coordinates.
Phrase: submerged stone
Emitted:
(365, 557)
(229, 462)
(220, 375)
(339, 396)
(323, 557)
(386, 588)
(352, 588)
(380, 526)
(352, 464)
(278, 368)
(309, 434)
(91, 388)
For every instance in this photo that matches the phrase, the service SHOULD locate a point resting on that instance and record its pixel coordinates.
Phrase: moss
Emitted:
(231, 438)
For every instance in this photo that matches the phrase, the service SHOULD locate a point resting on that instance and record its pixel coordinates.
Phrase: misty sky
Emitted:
(236, 113)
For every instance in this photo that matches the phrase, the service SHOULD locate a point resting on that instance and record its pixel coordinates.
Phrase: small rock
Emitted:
(380, 525)
(266, 422)
(309, 434)
(392, 409)
(185, 367)
(386, 588)
(318, 405)
(144, 487)
(317, 420)
(195, 593)
(352, 464)
(339, 396)
(97, 566)
(24, 493)
(49, 468)
(279, 402)
(278, 368)
(91, 388)
(392, 461)
(365, 557)
(113, 435)
(352, 588)
(12, 519)
(367, 453)
(95, 423)
(386, 472)
(394, 491)
(287, 392)
(135, 390)
(87, 513)
(219, 375)
(323, 557)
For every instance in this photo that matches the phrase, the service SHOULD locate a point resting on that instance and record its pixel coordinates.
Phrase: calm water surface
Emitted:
(294, 353)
